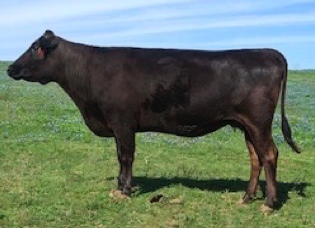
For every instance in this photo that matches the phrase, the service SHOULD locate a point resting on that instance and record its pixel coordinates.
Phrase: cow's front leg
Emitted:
(125, 142)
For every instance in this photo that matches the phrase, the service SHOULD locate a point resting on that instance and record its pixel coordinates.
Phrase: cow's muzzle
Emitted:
(14, 72)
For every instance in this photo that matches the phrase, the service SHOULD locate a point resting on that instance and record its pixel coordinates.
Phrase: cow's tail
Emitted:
(286, 129)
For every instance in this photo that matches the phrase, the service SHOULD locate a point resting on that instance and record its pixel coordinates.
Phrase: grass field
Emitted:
(55, 173)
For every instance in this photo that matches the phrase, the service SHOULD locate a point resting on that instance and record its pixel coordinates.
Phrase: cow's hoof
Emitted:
(245, 200)
(241, 202)
(266, 210)
(118, 194)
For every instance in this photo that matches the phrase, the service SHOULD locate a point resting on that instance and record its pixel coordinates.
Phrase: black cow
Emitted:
(121, 91)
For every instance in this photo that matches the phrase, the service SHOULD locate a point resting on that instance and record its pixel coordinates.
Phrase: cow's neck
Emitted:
(75, 77)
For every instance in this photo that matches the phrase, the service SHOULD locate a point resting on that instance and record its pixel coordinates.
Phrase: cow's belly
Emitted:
(186, 130)
(182, 125)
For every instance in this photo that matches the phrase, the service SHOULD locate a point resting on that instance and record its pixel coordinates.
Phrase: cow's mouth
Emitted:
(17, 76)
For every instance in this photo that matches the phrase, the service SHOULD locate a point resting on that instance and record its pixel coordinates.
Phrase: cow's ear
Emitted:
(49, 34)
(48, 42)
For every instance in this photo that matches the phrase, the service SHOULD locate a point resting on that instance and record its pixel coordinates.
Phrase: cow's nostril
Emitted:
(10, 70)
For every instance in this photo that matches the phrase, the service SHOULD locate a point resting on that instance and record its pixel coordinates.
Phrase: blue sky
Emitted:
(286, 25)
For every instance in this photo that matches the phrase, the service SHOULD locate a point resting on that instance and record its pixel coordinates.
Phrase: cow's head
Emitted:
(36, 63)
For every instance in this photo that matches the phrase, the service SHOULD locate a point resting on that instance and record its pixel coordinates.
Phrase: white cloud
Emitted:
(208, 23)
(145, 22)
(19, 13)
(258, 41)
(28, 12)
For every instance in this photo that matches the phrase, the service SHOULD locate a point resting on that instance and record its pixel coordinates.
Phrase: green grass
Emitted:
(55, 173)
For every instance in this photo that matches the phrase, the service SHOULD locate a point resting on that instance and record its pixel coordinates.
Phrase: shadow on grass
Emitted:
(151, 184)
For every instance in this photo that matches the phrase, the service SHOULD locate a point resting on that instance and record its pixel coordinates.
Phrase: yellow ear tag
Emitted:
(40, 52)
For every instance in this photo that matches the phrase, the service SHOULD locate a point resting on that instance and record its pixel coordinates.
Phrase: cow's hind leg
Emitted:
(256, 166)
(268, 156)
(270, 165)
